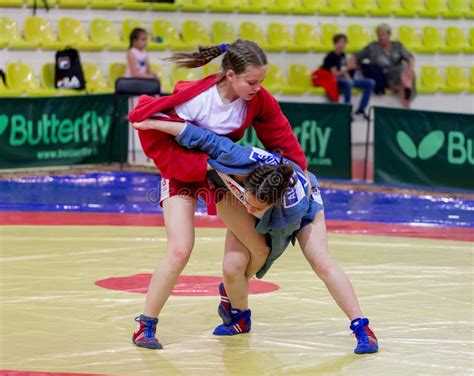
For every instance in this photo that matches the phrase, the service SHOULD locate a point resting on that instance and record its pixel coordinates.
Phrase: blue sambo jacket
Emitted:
(281, 222)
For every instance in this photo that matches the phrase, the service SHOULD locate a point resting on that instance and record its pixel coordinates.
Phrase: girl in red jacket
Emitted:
(226, 103)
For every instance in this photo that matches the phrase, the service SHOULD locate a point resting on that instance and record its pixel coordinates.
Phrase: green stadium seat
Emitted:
(79, 4)
(222, 32)
(40, 4)
(105, 4)
(210, 68)
(455, 40)
(306, 38)
(456, 80)
(6, 92)
(456, 8)
(470, 46)
(165, 83)
(195, 34)
(20, 78)
(10, 37)
(116, 70)
(410, 8)
(471, 79)
(408, 36)
(71, 32)
(135, 5)
(225, 6)
(299, 81)
(166, 7)
(282, 6)
(328, 30)
(308, 6)
(38, 30)
(95, 81)
(249, 30)
(275, 79)
(431, 39)
(195, 5)
(434, 8)
(279, 37)
(386, 8)
(183, 74)
(168, 33)
(335, 7)
(11, 4)
(358, 37)
(430, 80)
(361, 7)
(47, 81)
(103, 31)
(253, 6)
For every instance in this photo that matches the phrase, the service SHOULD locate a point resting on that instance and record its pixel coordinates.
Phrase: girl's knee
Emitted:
(179, 256)
(232, 269)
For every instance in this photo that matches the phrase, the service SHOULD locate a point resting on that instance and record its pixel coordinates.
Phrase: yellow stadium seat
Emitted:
(456, 80)
(358, 37)
(327, 32)
(308, 6)
(386, 7)
(470, 12)
(95, 81)
(165, 83)
(279, 37)
(80, 4)
(410, 8)
(165, 30)
(225, 5)
(253, 6)
(6, 92)
(103, 31)
(282, 6)
(335, 7)
(195, 5)
(471, 76)
(40, 4)
(249, 30)
(128, 24)
(166, 7)
(434, 9)
(47, 81)
(195, 34)
(116, 70)
(430, 80)
(306, 38)
(10, 36)
(38, 30)
(470, 45)
(275, 80)
(361, 7)
(210, 68)
(183, 74)
(408, 36)
(21, 78)
(222, 32)
(299, 81)
(135, 5)
(455, 40)
(71, 32)
(11, 3)
(432, 41)
(105, 4)
(456, 8)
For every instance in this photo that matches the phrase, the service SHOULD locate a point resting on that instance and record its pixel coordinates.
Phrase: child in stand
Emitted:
(137, 57)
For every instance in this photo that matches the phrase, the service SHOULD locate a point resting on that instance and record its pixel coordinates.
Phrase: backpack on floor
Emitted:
(68, 73)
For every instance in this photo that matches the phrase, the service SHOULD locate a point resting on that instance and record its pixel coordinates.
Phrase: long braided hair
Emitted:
(268, 183)
(238, 56)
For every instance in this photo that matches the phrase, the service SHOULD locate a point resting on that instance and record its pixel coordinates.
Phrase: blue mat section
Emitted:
(125, 192)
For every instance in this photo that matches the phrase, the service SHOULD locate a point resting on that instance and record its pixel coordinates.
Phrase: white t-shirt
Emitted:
(140, 61)
(209, 112)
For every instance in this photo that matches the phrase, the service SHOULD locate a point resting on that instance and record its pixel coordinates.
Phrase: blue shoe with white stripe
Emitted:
(367, 342)
(240, 323)
(224, 309)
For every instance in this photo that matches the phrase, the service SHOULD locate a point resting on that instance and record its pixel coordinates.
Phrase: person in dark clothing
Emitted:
(335, 62)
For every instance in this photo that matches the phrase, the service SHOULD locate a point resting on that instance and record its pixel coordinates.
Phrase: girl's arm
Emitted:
(171, 127)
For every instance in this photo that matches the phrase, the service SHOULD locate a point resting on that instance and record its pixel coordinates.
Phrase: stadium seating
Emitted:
(306, 38)
(47, 81)
(134, 5)
(195, 5)
(194, 33)
(455, 40)
(434, 9)
(279, 37)
(169, 35)
(165, 82)
(183, 74)
(104, 4)
(471, 76)
(21, 78)
(456, 8)
(410, 8)
(222, 32)
(7, 92)
(73, 3)
(11, 3)
(275, 80)
(253, 6)
(71, 32)
(299, 81)
(386, 8)
(225, 5)
(361, 7)
(95, 81)
(10, 37)
(38, 30)
(470, 46)
(103, 31)
(430, 80)
(432, 41)
(166, 7)
(456, 80)
(328, 31)
(308, 6)
(116, 70)
(409, 38)
(282, 6)
(249, 30)
(358, 37)
(210, 68)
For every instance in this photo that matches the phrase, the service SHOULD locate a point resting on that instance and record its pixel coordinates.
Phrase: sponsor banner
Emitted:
(62, 130)
(424, 148)
(324, 132)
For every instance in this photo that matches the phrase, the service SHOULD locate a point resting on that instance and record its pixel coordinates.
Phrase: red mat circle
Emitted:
(188, 285)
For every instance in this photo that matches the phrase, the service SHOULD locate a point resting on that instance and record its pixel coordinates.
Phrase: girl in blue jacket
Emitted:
(288, 207)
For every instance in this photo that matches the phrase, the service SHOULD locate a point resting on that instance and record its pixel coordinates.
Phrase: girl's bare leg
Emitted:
(313, 241)
(179, 222)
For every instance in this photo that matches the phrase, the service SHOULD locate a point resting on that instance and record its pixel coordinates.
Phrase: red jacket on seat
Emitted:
(325, 79)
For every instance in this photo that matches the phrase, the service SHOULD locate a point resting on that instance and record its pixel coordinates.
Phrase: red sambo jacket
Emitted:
(173, 161)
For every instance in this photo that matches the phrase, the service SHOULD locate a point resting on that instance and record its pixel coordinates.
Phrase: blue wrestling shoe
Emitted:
(145, 335)
(366, 340)
(240, 323)
(224, 309)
